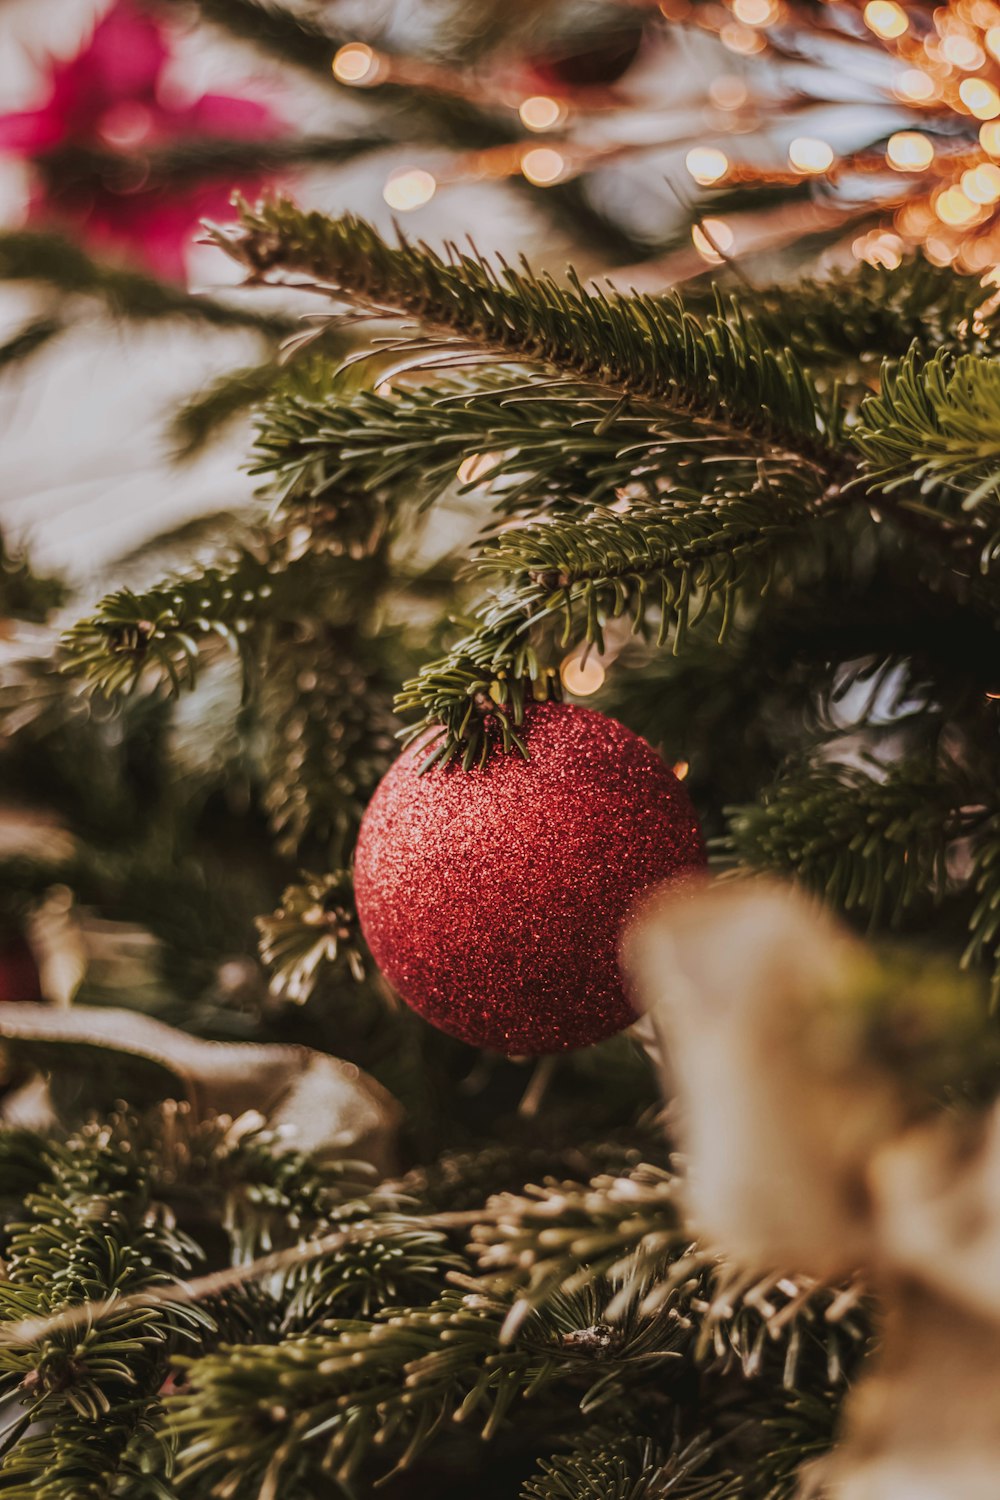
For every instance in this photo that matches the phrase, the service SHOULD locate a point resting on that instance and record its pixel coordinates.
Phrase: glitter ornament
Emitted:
(494, 899)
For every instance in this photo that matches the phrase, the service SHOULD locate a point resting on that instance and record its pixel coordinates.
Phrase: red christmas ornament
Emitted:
(494, 899)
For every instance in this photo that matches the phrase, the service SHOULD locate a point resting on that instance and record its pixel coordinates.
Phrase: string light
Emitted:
(474, 467)
(409, 189)
(712, 239)
(539, 112)
(982, 184)
(886, 18)
(357, 64)
(681, 769)
(980, 97)
(743, 39)
(962, 51)
(916, 86)
(989, 138)
(728, 92)
(909, 151)
(755, 12)
(808, 154)
(581, 675)
(879, 249)
(542, 165)
(953, 207)
(706, 164)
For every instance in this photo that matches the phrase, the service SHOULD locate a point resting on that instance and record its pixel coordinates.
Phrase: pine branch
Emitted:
(868, 314)
(275, 29)
(394, 1385)
(314, 929)
(159, 634)
(933, 428)
(27, 255)
(671, 562)
(984, 923)
(33, 335)
(88, 1233)
(865, 841)
(632, 1468)
(538, 443)
(198, 419)
(326, 697)
(720, 369)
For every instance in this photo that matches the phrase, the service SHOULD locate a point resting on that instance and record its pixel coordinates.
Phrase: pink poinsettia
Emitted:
(111, 98)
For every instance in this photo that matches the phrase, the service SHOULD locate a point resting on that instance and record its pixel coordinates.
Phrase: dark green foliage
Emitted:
(726, 476)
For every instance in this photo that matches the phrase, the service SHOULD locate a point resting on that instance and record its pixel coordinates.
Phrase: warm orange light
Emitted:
(410, 188)
(580, 675)
(886, 18)
(755, 12)
(993, 41)
(808, 154)
(916, 86)
(542, 165)
(909, 151)
(939, 250)
(681, 769)
(962, 51)
(879, 249)
(953, 207)
(989, 138)
(357, 64)
(540, 112)
(982, 184)
(728, 92)
(742, 39)
(980, 97)
(712, 239)
(474, 467)
(706, 164)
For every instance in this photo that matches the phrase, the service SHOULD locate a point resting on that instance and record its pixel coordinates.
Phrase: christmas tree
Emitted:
(335, 1157)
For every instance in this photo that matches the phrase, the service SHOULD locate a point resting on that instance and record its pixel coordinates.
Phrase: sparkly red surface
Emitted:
(493, 899)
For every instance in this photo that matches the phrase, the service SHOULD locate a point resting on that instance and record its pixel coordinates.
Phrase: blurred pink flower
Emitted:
(111, 97)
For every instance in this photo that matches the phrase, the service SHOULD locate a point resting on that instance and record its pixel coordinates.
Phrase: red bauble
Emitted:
(494, 899)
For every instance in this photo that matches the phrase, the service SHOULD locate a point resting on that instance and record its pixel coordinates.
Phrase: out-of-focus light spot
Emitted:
(474, 467)
(728, 92)
(915, 86)
(681, 769)
(542, 165)
(126, 125)
(540, 112)
(356, 63)
(953, 207)
(989, 138)
(886, 18)
(909, 151)
(939, 250)
(808, 154)
(581, 675)
(410, 188)
(980, 97)
(755, 12)
(881, 248)
(712, 239)
(993, 41)
(743, 39)
(706, 164)
(384, 389)
(982, 183)
(962, 52)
